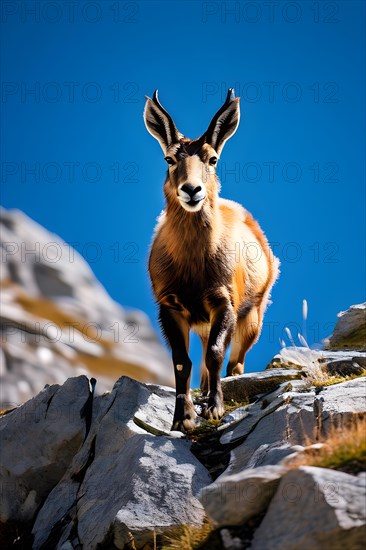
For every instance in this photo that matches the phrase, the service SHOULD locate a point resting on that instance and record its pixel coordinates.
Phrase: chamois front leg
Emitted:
(176, 329)
(222, 329)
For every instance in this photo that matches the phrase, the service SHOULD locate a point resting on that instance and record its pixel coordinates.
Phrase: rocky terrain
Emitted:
(87, 471)
(58, 321)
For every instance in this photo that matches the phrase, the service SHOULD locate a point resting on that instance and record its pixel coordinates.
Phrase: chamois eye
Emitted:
(213, 161)
(169, 160)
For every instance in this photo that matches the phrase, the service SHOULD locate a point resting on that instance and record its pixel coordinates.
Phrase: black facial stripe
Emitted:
(182, 171)
(195, 146)
(181, 153)
(190, 148)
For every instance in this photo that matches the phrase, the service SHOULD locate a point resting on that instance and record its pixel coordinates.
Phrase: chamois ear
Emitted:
(224, 123)
(159, 123)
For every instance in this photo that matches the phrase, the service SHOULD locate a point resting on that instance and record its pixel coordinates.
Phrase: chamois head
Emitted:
(191, 179)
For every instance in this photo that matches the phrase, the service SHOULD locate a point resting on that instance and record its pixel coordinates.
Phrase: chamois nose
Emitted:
(191, 190)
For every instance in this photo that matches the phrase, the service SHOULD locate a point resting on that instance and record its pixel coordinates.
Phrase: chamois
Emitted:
(204, 273)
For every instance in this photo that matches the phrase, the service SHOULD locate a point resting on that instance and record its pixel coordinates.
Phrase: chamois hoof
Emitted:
(213, 413)
(234, 370)
(183, 426)
(214, 409)
(238, 369)
(184, 415)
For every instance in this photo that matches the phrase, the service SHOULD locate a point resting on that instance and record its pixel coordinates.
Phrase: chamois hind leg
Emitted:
(176, 329)
(247, 333)
(222, 328)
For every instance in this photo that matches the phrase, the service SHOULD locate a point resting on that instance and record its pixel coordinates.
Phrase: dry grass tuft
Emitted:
(187, 537)
(316, 375)
(344, 448)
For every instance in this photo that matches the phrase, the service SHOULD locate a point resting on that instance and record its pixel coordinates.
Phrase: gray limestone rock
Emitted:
(350, 330)
(234, 499)
(313, 509)
(246, 386)
(289, 422)
(125, 481)
(38, 441)
(339, 404)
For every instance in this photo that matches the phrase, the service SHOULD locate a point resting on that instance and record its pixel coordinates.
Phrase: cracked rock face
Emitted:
(57, 320)
(38, 441)
(270, 435)
(125, 481)
(290, 418)
(313, 509)
(234, 499)
(339, 403)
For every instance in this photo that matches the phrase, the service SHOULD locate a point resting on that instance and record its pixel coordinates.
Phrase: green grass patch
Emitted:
(232, 405)
(206, 428)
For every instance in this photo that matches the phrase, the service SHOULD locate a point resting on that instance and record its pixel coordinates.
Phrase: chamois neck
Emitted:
(191, 236)
(193, 222)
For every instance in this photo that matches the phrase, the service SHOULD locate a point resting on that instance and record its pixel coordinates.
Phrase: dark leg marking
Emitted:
(222, 329)
(176, 330)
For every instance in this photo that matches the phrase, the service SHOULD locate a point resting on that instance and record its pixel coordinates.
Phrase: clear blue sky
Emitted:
(297, 156)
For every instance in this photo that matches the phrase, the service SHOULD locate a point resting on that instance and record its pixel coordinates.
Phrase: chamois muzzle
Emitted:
(191, 195)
